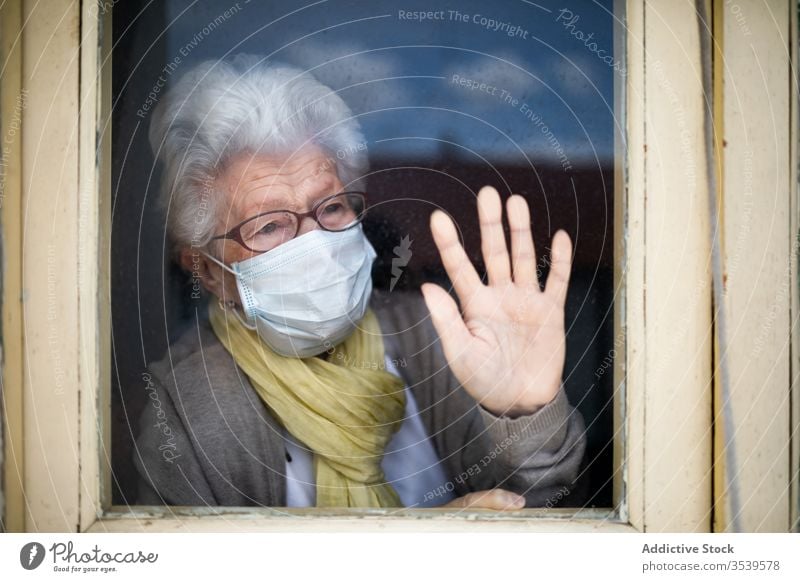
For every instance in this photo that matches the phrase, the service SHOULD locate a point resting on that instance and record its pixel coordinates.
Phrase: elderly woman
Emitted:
(289, 391)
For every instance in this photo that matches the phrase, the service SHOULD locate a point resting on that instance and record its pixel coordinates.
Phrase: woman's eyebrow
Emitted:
(282, 203)
(326, 186)
(266, 204)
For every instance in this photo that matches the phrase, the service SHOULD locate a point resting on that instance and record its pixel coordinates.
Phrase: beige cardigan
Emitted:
(205, 437)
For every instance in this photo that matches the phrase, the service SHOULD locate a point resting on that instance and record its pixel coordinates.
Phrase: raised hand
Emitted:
(507, 345)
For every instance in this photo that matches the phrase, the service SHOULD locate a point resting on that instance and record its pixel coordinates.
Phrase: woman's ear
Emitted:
(209, 274)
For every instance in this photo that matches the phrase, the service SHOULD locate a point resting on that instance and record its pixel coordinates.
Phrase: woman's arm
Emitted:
(540, 455)
(505, 343)
(163, 455)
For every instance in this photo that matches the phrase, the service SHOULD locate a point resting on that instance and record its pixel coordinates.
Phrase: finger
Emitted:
(558, 279)
(493, 241)
(447, 321)
(455, 260)
(523, 252)
(498, 499)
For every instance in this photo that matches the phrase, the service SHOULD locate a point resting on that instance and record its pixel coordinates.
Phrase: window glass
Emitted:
(450, 97)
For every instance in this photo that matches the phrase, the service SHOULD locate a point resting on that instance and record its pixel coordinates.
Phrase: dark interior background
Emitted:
(432, 144)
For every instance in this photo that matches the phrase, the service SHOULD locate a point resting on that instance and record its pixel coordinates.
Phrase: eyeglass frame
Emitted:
(236, 235)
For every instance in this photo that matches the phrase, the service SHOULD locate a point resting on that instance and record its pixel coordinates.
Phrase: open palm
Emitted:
(507, 344)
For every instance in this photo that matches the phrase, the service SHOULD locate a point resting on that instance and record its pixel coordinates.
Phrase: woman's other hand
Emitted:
(497, 499)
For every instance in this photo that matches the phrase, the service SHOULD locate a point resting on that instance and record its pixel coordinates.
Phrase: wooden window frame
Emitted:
(56, 289)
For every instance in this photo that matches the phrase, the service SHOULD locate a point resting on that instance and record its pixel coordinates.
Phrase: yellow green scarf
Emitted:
(345, 409)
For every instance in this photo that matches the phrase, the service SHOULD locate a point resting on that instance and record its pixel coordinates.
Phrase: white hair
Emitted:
(221, 108)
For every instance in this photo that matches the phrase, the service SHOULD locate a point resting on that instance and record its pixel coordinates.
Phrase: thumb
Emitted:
(447, 320)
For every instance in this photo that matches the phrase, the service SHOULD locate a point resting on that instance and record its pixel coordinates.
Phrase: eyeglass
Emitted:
(263, 232)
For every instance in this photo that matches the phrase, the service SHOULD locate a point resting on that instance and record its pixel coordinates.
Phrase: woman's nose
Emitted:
(307, 224)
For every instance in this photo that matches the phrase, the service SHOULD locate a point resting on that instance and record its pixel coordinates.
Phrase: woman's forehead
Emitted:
(254, 182)
(294, 167)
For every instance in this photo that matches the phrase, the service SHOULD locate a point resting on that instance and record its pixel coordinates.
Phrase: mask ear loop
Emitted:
(230, 304)
(238, 316)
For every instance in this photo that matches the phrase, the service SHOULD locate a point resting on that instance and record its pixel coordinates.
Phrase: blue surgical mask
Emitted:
(308, 294)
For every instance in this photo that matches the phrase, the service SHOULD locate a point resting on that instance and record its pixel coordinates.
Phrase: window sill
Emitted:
(208, 519)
